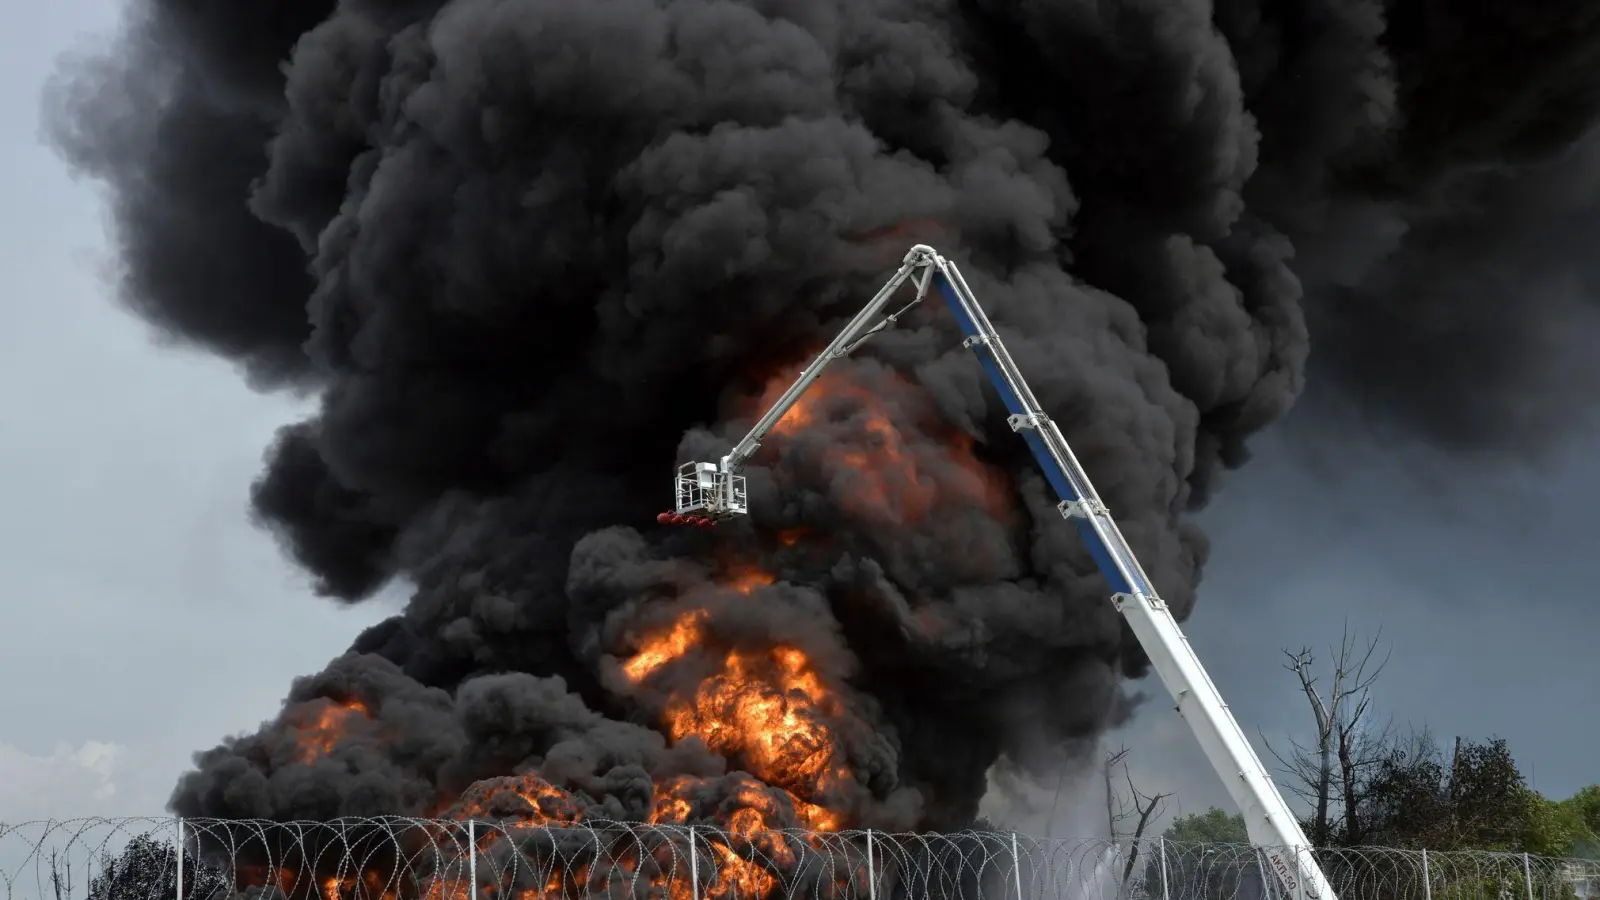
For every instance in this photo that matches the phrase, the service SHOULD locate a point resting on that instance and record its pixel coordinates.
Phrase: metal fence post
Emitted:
(872, 876)
(179, 847)
(1161, 849)
(472, 860)
(1427, 878)
(1016, 864)
(694, 868)
(1527, 874)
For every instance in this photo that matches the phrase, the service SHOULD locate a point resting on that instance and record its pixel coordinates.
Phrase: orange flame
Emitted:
(671, 805)
(519, 802)
(369, 885)
(735, 876)
(661, 649)
(526, 798)
(531, 801)
(767, 709)
(318, 735)
(883, 477)
(745, 579)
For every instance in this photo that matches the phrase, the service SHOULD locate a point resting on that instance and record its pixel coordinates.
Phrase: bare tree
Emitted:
(60, 876)
(1330, 771)
(1116, 807)
(1136, 805)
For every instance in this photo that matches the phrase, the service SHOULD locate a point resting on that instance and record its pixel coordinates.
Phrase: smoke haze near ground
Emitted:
(530, 253)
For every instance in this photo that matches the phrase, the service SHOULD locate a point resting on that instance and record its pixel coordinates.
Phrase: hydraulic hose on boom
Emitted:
(710, 492)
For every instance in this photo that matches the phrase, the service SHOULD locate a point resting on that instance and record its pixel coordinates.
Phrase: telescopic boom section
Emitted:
(712, 491)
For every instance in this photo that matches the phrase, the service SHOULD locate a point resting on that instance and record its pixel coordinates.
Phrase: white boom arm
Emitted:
(711, 491)
(853, 336)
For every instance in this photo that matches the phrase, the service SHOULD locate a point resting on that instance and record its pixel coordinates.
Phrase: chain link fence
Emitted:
(421, 859)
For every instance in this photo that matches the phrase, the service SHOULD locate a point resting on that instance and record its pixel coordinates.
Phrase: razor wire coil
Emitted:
(396, 858)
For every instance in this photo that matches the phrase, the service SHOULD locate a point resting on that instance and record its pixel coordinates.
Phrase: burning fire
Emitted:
(767, 709)
(746, 579)
(367, 884)
(685, 634)
(519, 805)
(688, 631)
(885, 477)
(518, 798)
(319, 734)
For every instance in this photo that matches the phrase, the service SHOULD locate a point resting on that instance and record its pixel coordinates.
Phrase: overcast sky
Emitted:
(148, 618)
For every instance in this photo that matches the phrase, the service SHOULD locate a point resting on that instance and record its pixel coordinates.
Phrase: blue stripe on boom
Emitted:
(953, 300)
(991, 367)
(1058, 479)
(1047, 464)
(1012, 402)
(1103, 558)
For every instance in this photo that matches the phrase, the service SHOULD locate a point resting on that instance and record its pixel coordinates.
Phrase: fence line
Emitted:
(396, 858)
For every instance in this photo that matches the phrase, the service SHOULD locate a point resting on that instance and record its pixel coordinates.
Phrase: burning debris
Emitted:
(523, 248)
(768, 709)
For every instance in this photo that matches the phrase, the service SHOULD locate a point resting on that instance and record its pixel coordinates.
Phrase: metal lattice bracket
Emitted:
(1027, 420)
(1121, 600)
(1082, 509)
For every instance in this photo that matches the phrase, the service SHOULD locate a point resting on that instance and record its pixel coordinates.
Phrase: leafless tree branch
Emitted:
(1330, 771)
(1141, 807)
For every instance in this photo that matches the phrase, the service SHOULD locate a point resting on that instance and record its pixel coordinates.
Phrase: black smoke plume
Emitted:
(531, 253)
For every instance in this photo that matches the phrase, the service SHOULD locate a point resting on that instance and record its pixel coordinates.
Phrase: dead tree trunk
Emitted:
(1331, 769)
(1140, 806)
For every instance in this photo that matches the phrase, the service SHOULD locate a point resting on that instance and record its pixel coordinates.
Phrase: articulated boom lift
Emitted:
(710, 492)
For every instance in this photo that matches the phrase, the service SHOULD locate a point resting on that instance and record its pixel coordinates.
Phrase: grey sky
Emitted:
(145, 612)
(148, 617)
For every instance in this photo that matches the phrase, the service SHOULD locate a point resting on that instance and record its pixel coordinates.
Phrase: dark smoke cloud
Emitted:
(178, 119)
(1436, 168)
(529, 251)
